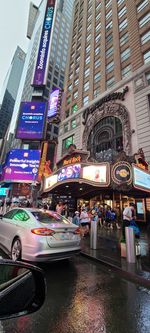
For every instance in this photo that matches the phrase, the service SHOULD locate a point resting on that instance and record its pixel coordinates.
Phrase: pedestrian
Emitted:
(114, 221)
(1, 206)
(59, 207)
(100, 217)
(28, 204)
(133, 223)
(85, 222)
(8, 204)
(108, 217)
(76, 218)
(95, 217)
(127, 217)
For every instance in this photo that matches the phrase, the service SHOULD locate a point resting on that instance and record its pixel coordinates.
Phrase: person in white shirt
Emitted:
(128, 215)
(84, 221)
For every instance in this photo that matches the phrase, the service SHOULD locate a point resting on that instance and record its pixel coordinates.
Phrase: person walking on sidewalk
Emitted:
(85, 221)
(76, 218)
(127, 217)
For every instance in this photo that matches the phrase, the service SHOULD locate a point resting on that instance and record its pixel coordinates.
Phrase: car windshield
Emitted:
(49, 217)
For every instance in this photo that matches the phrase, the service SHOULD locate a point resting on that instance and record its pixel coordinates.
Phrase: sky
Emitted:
(13, 29)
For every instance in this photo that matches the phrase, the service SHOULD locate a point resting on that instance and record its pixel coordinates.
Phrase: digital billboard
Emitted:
(70, 172)
(95, 173)
(43, 52)
(141, 179)
(31, 121)
(4, 191)
(53, 103)
(21, 165)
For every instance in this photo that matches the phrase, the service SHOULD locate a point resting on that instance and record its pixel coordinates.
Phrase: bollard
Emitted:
(130, 245)
(93, 236)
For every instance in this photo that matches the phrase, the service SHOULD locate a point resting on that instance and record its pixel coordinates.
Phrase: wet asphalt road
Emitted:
(84, 297)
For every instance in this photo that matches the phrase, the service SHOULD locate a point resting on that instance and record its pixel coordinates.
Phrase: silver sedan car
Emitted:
(37, 235)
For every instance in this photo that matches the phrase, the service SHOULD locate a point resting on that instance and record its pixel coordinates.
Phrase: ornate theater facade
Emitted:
(102, 157)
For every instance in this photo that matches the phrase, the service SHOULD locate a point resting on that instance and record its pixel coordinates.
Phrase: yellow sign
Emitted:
(43, 160)
(72, 160)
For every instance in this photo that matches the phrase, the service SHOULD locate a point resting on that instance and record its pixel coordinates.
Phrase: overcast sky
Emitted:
(13, 28)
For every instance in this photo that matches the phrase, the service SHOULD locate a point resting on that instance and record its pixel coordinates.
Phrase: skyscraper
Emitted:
(10, 90)
(106, 104)
(56, 59)
(59, 43)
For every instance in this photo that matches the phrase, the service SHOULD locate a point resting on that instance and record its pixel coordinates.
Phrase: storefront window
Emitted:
(105, 140)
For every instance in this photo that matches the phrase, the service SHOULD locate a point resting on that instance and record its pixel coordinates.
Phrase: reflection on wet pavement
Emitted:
(84, 297)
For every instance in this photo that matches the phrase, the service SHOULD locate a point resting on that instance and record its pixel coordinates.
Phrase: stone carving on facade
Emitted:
(124, 187)
(108, 109)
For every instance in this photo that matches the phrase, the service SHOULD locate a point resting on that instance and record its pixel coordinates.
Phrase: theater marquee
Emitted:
(97, 175)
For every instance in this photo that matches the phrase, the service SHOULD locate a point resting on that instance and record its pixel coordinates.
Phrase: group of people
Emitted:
(106, 217)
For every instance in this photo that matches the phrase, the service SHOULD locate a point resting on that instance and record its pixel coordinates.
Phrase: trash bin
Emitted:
(93, 235)
(130, 245)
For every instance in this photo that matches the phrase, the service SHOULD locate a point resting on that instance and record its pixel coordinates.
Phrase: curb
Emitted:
(124, 274)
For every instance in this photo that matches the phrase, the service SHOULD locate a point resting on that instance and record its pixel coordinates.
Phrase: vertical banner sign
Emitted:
(53, 103)
(43, 160)
(40, 69)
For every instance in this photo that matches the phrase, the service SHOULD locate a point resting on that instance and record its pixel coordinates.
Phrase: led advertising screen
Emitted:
(139, 207)
(31, 121)
(21, 165)
(141, 179)
(95, 173)
(43, 52)
(70, 172)
(4, 191)
(53, 103)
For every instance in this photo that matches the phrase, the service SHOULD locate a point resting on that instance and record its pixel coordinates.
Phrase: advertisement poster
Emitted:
(141, 179)
(139, 206)
(4, 191)
(53, 103)
(42, 58)
(70, 172)
(95, 173)
(31, 121)
(21, 165)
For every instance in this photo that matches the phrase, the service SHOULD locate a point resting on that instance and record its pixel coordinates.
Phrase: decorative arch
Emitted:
(106, 110)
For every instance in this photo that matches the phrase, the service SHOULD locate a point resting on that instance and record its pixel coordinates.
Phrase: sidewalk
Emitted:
(108, 253)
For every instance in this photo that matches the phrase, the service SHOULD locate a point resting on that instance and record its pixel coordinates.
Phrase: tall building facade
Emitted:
(11, 84)
(59, 43)
(106, 108)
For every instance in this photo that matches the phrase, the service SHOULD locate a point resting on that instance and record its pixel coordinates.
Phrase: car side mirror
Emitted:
(22, 289)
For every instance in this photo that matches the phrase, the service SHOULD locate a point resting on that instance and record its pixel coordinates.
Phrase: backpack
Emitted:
(135, 227)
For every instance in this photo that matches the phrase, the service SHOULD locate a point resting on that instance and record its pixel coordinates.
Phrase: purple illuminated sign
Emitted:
(40, 69)
(21, 165)
(31, 120)
(53, 103)
(70, 172)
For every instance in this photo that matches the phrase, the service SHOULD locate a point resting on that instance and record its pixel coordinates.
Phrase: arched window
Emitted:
(105, 139)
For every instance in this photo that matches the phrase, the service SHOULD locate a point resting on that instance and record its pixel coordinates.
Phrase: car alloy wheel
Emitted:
(16, 250)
